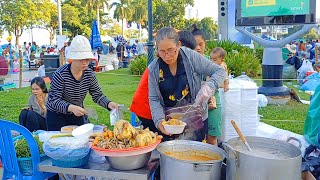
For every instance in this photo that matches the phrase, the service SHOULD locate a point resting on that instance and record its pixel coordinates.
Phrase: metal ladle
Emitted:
(235, 126)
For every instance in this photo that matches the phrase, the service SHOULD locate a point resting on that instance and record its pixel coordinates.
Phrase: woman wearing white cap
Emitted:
(69, 86)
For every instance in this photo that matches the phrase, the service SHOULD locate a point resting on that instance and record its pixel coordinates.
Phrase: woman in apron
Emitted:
(175, 82)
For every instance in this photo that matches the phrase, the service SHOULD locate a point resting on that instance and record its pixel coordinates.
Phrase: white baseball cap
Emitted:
(80, 48)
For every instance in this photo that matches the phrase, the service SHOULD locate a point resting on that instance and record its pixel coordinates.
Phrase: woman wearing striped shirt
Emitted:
(69, 87)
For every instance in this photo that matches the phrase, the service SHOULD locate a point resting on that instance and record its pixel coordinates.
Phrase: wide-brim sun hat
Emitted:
(292, 48)
(80, 48)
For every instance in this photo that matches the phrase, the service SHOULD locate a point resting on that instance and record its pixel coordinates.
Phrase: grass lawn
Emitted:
(119, 87)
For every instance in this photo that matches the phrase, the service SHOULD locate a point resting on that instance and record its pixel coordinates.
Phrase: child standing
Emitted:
(214, 114)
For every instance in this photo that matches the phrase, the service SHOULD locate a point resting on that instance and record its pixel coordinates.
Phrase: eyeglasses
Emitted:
(169, 52)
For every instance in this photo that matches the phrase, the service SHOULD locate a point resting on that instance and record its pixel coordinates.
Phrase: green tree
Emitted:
(114, 30)
(123, 11)
(209, 28)
(97, 5)
(76, 18)
(17, 15)
(312, 35)
(131, 33)
(169, 13)
(49, 20)
(140, 13)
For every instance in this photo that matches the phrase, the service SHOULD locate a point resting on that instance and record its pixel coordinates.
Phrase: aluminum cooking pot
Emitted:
(270, 159)
(175, 169)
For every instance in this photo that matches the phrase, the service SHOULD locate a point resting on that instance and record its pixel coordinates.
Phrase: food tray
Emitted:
(126, 152)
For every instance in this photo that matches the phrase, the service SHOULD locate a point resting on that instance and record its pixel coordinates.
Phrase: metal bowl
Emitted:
(129, 162)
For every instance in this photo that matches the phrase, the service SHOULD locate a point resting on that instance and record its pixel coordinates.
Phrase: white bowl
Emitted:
(83, 131)
(174, 129)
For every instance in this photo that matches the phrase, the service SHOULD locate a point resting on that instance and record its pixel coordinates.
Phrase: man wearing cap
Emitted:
(69, 86)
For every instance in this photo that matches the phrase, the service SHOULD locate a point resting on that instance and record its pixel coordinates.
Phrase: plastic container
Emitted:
(68, 129)
(83, 131)
(174, 129)
(70, 164)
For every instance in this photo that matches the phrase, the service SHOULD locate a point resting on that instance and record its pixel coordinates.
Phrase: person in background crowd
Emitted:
(140, 48)
(11, 55)
(33, 117)
(33, 47)
(120, 53)
(70, 85)
(175, 81)
(105, 47)
(41, 69)
(140, 102)
(67, 50)
(301, 48)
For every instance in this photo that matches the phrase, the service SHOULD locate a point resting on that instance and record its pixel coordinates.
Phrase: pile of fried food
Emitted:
(123, 136)
(173, 122)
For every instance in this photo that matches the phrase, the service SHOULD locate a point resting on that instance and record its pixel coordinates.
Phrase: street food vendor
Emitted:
(175, 80)
(69, 87)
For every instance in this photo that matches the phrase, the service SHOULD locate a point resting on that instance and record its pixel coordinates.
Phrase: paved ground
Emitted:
(27, 75)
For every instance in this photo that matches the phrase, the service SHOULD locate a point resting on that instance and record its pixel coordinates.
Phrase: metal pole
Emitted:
(150, 43)
(59, 17)
(20, 72)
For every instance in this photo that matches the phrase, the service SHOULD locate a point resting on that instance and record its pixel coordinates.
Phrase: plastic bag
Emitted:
(67, 148)
(262, 100)
(289, 72)
(117, 114)
(306, 66)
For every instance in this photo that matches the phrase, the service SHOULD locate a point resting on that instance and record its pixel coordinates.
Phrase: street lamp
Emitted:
(150, 42)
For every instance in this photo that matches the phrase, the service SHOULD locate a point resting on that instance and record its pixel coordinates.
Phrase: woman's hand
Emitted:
(77, 110)
(113, 105)
(161, 128)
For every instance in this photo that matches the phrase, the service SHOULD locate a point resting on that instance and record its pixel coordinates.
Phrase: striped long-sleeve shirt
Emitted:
(66, 90)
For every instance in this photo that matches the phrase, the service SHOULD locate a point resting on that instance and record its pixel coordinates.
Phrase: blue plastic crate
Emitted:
(25, 163)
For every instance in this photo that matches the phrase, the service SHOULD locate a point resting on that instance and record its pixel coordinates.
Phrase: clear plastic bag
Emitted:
(117, 114)
(67, 148)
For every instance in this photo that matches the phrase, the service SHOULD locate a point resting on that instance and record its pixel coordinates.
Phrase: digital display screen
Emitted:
(253, 8)
(275, 12)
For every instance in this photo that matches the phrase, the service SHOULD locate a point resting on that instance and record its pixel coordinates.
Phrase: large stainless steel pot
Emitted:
(173, 169)
(270, 159)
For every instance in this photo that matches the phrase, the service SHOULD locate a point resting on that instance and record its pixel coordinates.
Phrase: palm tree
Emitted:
(123, 11)
(140, 14)
(96, 4)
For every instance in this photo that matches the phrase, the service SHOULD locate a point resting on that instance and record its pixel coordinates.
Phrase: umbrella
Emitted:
(95, 38)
